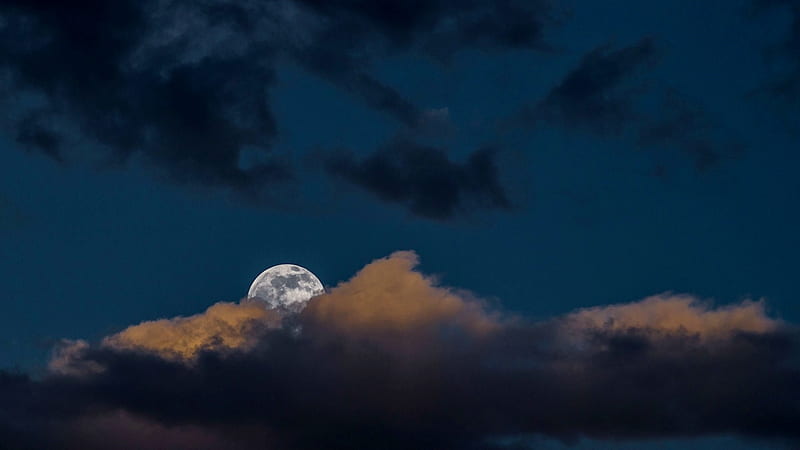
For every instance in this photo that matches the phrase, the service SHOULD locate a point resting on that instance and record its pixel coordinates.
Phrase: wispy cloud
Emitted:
(603, 95)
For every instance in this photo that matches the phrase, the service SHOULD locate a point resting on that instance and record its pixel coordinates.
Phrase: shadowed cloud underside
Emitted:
(391, 358)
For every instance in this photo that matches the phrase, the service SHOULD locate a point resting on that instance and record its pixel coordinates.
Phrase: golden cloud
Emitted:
(676, 313)
(390, 302)
(223, 326)
(388, 296)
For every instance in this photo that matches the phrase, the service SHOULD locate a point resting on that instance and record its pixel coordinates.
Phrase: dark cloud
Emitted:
(390, 360)
(606, 94)
(595, 95)
(185, 85)
(91, 69)
(784, 90)
(424, 179)
(34, 134)
(684, 125)
(441, 27)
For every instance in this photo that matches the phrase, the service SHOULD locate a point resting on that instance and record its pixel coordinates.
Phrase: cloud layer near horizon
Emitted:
(389, 358)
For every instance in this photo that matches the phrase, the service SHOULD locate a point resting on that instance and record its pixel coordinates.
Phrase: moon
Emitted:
(286, 286)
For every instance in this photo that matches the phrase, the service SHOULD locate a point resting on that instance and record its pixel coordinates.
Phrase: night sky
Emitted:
(540, 223)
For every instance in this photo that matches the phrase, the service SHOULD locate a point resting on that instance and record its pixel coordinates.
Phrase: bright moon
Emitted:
(286, 286)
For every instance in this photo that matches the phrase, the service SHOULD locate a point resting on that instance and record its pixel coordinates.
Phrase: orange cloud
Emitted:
(388, 296)
(675, 313)
(391, 303)
(398, 350)
(222, 326)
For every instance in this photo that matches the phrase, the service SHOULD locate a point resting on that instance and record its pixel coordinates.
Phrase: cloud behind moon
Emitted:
(391, 358)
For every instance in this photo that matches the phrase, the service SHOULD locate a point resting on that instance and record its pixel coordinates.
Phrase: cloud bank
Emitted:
(391, 359)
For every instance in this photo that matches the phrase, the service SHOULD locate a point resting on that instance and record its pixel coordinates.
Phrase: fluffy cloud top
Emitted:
(388, 296)
(222, 326)
(391, 359)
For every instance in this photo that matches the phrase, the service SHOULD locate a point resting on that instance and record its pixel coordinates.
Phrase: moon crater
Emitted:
(286, 286)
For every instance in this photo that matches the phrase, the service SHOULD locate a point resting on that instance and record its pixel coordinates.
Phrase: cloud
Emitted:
(593, 95)
(424, 180)
(441, 27)
(69, 359)
(684, 125)
(784, 90)
(93, 73)
(676, 314)
(603, 95)
(221, 327)
(387, 297)
(185, 86)
(391, 359)
(130, 432)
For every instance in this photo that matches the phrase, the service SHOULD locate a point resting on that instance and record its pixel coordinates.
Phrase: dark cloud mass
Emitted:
(424, 179)
(441, 27)
(391, 360)
(101, 71)
(186, 85)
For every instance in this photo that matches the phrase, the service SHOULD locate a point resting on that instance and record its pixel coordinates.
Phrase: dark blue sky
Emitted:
(640, 146)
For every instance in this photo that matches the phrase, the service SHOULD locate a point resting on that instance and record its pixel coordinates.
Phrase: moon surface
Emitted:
(286, 286)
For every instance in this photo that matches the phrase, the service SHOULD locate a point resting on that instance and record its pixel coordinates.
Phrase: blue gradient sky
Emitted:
(88, 250)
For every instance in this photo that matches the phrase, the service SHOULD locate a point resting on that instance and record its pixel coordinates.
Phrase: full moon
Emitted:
(286, 286)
